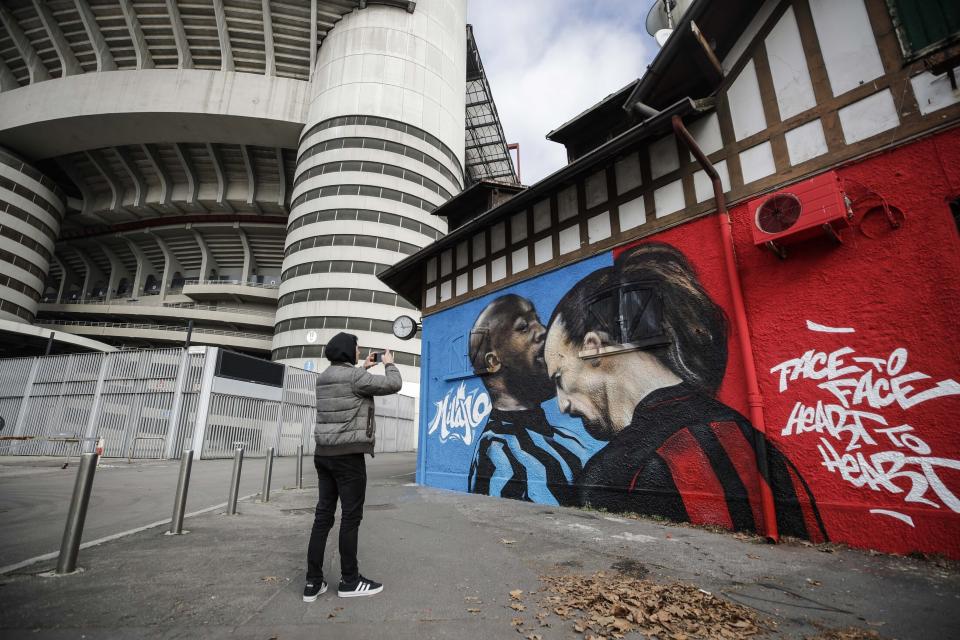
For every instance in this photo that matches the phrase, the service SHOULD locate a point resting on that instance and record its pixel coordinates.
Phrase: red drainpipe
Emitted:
(754, 398)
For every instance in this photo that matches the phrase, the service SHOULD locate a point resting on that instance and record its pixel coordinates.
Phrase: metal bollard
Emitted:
(180, 500)
(235, 482)
(299, 466)
(267, 473)
(70, 545)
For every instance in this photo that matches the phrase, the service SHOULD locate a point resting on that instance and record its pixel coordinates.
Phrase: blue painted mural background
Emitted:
(447, 450)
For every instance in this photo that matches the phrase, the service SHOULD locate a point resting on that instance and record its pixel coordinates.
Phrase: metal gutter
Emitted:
(656, 68)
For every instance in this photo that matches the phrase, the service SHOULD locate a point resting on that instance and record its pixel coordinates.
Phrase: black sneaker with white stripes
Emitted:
(362, 587)
(313, 590)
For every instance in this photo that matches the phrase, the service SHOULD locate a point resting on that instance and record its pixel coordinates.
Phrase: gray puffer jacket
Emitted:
(345, 412)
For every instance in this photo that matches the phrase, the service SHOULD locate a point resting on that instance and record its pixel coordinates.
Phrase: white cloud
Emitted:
(549, 60)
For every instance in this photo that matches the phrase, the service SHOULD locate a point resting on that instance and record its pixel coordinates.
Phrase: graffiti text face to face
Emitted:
(581, 391)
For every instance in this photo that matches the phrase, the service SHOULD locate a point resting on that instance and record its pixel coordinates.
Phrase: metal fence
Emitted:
(148, 404)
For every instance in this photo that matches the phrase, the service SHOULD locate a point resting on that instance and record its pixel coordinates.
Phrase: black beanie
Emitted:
(342, 348)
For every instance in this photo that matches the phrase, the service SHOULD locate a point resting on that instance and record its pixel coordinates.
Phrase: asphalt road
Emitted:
(35, 494)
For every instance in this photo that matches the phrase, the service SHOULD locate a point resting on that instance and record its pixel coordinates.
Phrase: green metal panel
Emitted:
(926, 22)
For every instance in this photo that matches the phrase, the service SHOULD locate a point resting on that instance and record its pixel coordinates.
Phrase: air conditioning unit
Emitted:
(808, 209)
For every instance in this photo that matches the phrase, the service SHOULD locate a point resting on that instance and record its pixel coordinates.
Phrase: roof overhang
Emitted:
(406, 278)
(21, 339)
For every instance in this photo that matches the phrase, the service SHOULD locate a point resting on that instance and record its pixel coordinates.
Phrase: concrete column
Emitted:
(383, 73)
(249, 260)
(36, 197)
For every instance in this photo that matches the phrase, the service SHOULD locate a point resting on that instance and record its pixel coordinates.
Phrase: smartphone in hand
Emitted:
(377, 356)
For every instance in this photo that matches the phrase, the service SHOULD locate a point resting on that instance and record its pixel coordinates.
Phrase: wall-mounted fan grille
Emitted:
(778, 213)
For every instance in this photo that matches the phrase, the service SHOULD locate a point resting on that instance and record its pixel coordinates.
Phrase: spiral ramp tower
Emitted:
(248, 165)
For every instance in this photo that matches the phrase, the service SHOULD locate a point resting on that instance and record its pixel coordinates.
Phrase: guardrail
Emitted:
(275, 284)
(154, 327)
(173, 305)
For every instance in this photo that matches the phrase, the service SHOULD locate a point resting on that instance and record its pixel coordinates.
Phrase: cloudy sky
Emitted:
(548, 60)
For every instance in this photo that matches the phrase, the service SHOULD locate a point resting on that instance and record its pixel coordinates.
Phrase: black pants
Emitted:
(343, 477)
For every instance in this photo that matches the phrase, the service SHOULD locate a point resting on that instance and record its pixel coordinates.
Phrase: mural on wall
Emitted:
(637, 351)
(610, 383)
(612, 403)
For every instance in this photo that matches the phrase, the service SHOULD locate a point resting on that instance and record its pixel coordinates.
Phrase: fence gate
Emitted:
(148, 404)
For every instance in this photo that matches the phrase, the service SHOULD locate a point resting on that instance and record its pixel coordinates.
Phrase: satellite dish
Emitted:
(662, 35)
(665, 14)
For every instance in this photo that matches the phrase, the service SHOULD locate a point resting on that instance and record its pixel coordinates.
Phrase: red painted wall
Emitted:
(897, 290)
(884, 468)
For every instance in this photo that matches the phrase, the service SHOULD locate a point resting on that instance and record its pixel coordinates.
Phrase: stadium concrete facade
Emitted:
(248, 165)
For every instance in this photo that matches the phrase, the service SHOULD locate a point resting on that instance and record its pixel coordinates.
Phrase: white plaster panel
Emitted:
(431, 269)
(628, 173)
(868, 117)
(567, 203)
(543, 250)
(480, 245)
(570, 239)
(663, 157)
(479, 276)
(462, 284)
(703, 186)
(541, 216)
(788, 66)
(847, 43)
(463, 255)
(669, 198)
(746, 107)
(632, 214)
(595, 188)
(805, 142)
(520, 260)
(446, 262)
(445, 289)
(498, 269)
(598, 227)
(934, 92)
(518, 227)
(498, 239)
(757, 162)
(431, 298)
(706, 131)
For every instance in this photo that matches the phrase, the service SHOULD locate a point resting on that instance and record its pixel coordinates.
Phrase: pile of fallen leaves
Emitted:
(612, 605)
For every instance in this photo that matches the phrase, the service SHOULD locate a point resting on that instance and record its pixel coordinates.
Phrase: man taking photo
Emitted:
(345, 430)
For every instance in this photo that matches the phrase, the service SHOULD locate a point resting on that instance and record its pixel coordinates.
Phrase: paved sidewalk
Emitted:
(440, 554)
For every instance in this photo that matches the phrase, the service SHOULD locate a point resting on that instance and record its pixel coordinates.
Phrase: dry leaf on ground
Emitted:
(613, 605)
(517, 594)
